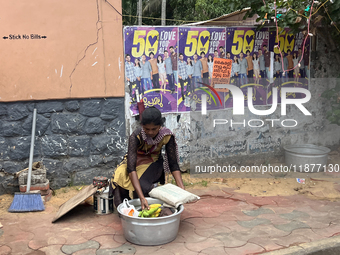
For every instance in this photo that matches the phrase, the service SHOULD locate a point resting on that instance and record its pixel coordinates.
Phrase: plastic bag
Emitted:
(129, 210)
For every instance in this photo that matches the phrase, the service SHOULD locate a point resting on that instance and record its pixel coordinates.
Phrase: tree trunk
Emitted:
(139, 12)
(163, 12)
(328, 40)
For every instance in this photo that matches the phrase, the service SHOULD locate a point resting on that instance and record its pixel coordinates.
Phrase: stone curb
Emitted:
(326, 246)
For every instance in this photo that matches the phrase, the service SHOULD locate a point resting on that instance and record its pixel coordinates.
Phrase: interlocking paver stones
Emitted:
(228, 240)
(307, 233)
(213, 251)
(179, 239)
(322, 207)
(92, 230)
(249, 248)
(199, 223)
(335, 213)
(279, 209)
(311, 212)
(238, 215)
(332, 230)
(142, 250)
(14, 233)
(187, 230)
(85, 252)
(36, 253)
(187, 213)
(318, 222)
(266, 243)
(270, 231)
(289, 227)
(52, 250)
(40, 241)
(295, 215)
(253, 223)
(119, 238)
(106, 242)
(234, 226)
(260, 201)
(291, 239)
(212, 231)
(274, 218)
(247, 235)
(257, 212)
(124, 249)
(71, 248)
(4, 250)
(176, 248)
(19, 247)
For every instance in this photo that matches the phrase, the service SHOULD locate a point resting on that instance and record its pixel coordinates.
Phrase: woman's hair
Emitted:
(161, 59)
(277, 59)
(236, 59)
(138, 62)
(294, 55)
(212, 59)
(254, 56)
(190, 61)
(152, 116)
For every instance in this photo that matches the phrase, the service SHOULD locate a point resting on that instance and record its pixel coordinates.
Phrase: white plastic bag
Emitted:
(128, 210)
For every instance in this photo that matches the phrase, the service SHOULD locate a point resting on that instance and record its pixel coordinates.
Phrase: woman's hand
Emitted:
(178, 178)
(144, 203)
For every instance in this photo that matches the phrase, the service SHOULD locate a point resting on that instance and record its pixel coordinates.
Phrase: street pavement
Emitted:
(221, 222)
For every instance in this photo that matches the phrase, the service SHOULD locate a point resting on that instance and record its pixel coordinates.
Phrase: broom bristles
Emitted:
(27, 202)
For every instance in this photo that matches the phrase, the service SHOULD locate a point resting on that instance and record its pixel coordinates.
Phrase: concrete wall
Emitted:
(198, 139)
(75, 139)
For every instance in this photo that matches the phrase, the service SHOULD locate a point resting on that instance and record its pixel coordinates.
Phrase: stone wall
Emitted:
(75, 139)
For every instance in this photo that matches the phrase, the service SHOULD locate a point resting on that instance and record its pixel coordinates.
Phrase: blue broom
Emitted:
(28, 202)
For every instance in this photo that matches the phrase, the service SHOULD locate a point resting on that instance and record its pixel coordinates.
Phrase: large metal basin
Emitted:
(150, 231)
(306, 157)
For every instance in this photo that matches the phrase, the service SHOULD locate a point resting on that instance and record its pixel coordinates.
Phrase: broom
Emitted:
(28, 202)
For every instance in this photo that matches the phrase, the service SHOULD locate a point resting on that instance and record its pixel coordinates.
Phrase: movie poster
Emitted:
(248, 49)
(198, 47)
(291, 62)
(151, 67)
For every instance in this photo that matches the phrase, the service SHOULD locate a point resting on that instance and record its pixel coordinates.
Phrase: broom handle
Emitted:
(31, 152)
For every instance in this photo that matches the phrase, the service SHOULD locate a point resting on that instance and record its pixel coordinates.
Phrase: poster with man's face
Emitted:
(200, 46)
(150, 49)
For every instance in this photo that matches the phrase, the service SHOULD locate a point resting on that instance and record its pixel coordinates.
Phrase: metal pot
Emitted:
(306, 157)
(150, 231)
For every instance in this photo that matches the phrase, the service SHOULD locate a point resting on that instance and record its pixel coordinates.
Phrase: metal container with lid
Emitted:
(150, 231)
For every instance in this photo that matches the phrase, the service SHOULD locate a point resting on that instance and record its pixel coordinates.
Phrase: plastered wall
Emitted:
(60, 49)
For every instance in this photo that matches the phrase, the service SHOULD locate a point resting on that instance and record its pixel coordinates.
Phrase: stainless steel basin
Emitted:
(150, 231)
(306, 157)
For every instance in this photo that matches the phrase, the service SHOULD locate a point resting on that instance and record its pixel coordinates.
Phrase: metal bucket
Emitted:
(150, 231)
(306, 158)
(102, 203)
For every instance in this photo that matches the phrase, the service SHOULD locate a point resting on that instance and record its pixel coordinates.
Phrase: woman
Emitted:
(210, 66)
(162, 72)
(190, 72)
(142, 167)
(256, 68)
(235, 69)
(296, 67)
(138, 73)
(277, 69)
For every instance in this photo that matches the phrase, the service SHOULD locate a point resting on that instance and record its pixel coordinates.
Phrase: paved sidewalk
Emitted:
(222, 222)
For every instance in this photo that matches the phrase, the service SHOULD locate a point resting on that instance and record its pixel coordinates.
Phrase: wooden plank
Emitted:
(74, 201)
